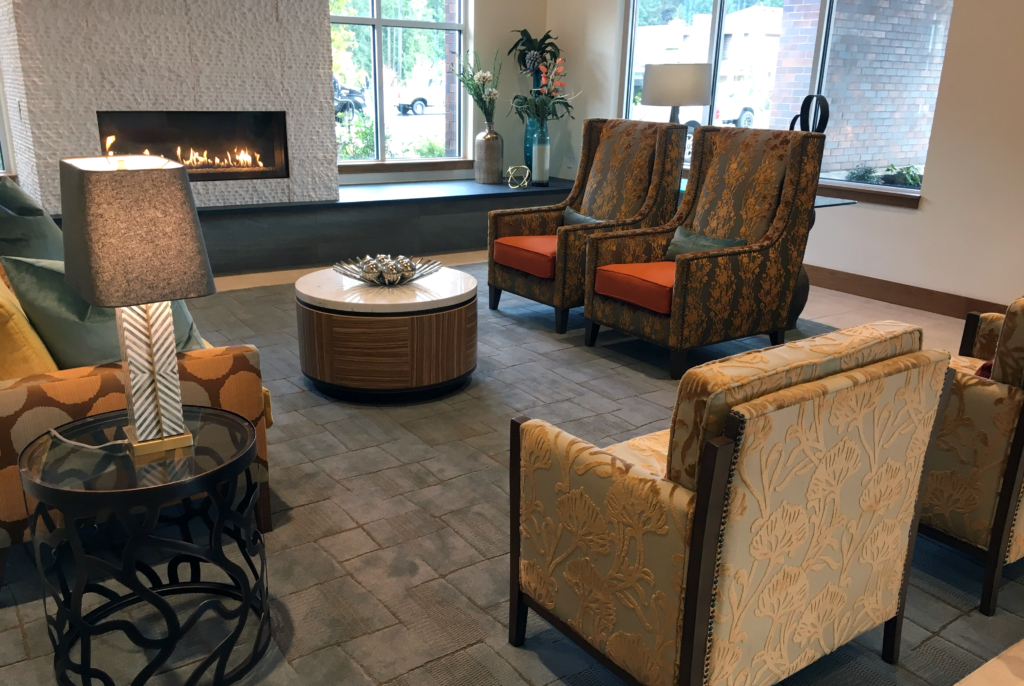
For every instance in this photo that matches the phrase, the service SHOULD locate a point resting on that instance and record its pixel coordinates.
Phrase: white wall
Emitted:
(591, 33)
(491, 23)
(967, 237)
(169, 55)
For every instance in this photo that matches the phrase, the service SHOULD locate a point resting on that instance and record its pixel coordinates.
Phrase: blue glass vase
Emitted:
(532, 125)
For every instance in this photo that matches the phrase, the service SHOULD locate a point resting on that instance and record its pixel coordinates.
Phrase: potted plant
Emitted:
(544, 103)
(530, 53)
(482, 86)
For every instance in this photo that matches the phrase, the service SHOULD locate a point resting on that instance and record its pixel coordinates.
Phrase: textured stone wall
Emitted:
(64, 60)
(882, 80)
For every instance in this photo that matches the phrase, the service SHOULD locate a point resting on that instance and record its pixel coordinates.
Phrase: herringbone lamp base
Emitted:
(153, 390)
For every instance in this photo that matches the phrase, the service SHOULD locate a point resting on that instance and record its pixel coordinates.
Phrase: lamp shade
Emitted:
(677, 85)
(131, 231)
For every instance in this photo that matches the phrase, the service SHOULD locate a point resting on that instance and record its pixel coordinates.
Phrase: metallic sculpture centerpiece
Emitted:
(383, 270)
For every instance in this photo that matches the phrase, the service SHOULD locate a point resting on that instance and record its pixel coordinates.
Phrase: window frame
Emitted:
(6, 149)
(862, 192)
(382, 164)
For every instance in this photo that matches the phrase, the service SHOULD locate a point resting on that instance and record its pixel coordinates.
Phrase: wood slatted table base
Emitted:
(386, 354)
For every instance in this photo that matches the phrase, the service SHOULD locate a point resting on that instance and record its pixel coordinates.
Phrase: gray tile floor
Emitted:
(388, 562)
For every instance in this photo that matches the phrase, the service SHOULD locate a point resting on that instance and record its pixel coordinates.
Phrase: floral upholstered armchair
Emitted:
(628, 177)
(227, 378)
(749, 184)
(975, 466)
(772, 522)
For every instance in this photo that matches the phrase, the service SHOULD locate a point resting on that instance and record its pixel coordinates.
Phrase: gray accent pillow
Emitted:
(76, 333)
(686, 241)
(572, 218)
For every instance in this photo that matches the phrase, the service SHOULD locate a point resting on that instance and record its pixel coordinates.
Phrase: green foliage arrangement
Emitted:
(481, 85)
(531, 52)
(862, 174)
(549, 101)
(909, 177)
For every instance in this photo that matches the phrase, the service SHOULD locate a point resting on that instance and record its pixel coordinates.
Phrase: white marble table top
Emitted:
(330, 290)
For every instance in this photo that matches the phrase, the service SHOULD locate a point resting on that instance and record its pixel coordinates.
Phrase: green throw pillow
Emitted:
(572, 218)
(686, 241)
(25, 229)
(76, 333)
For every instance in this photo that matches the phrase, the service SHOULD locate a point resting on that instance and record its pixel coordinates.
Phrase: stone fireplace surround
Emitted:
(62, 62)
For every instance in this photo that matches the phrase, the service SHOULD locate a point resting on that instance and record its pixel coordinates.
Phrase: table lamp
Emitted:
(676, 85)
(132, 241)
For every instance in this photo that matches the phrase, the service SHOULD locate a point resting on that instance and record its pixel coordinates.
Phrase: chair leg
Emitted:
(891, 637)
(3, 563)
(493, 296)
(263, 520)
(677, 363)
(561, 319)
(990, 586)
(517, 613)
(777, 337)
(590, 333)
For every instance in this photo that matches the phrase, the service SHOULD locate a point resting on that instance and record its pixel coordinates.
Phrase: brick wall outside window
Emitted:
(882, 81)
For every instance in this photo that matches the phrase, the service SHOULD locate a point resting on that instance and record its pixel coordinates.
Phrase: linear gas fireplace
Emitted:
(214, 146)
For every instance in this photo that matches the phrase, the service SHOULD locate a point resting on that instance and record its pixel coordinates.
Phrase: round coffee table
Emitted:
(98, 558)
(358, 341)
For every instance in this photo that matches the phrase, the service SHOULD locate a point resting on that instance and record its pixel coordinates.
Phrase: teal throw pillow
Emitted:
(686, 241)
(26, 230)
(572, 218)
(76, 333)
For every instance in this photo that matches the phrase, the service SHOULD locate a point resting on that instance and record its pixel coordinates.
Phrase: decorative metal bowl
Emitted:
(382, 270)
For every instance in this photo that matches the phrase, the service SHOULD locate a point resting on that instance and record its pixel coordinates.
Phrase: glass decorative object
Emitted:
(541, 154)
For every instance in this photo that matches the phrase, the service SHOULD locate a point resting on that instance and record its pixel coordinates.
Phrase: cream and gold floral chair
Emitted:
(975, 466)
(770, 524)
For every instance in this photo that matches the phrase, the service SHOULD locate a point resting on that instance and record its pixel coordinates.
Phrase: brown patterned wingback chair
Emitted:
(752, 184)
(975, 467)
(628, 178)
(770, 524)
(227, 378)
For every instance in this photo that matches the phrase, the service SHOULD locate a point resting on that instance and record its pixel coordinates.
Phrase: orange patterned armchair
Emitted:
(975, 467)
(749, 184)
(227, 378)
(628, 178)
(772, 523)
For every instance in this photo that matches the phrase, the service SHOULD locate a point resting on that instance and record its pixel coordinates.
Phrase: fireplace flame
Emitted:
(110, 141)
(241, 158)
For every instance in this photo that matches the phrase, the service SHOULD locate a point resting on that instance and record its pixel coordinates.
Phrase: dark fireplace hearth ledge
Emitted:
(411, 218)
(407, 191)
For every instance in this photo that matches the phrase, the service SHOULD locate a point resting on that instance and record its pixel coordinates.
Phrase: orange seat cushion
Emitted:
(531, 254)
(644, 284)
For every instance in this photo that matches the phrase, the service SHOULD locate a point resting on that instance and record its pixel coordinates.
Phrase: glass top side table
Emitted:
(99, 518)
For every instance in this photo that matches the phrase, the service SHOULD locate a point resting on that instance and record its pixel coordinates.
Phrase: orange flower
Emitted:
(560, 84)
(559, 70)
(543, 68)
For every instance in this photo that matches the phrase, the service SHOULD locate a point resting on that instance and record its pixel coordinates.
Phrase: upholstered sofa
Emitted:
(628, 177)
(771, 523)
(975, 466)
(750, 184)
(44, 397)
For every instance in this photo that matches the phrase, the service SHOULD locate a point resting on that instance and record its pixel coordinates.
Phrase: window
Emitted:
(394, 95)
(877, 61)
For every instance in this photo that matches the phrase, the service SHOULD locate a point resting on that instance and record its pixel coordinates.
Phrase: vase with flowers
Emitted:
(546, 102)
(482, 86)
(530, 54)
